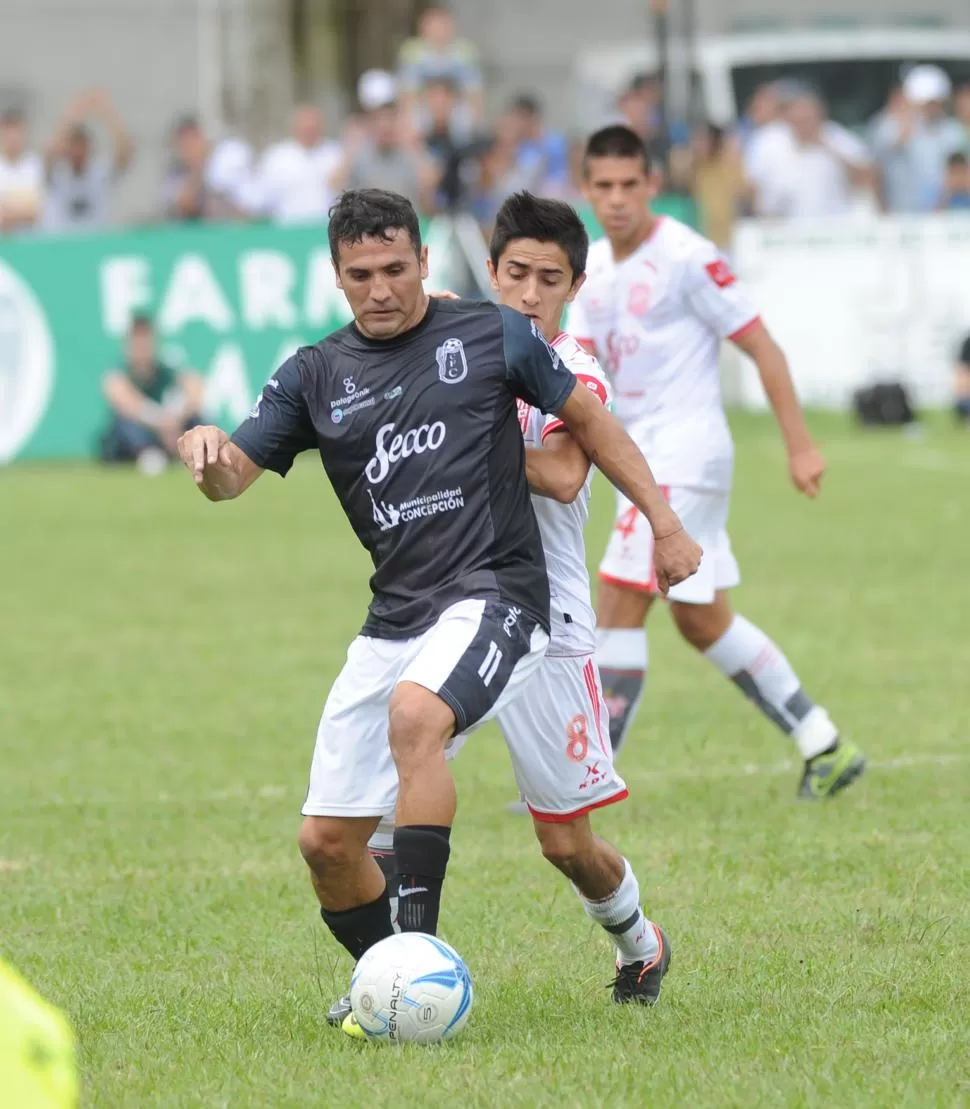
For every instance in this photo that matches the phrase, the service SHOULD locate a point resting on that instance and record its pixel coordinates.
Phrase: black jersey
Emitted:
(419, 437)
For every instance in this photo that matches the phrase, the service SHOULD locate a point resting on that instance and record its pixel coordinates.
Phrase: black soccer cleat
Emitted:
(339, 1011)
(639, 983)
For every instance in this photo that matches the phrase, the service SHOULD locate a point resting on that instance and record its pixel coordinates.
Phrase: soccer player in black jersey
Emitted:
(412, 408)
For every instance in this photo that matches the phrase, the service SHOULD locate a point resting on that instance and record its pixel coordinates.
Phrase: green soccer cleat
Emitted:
(827, 773)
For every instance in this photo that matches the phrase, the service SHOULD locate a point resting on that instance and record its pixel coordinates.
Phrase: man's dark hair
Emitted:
(524, 216)
(527, 103)
(957, 160)
(141, 321)
(12, 116)
(615, 141)
(640, 81)
(362, 214)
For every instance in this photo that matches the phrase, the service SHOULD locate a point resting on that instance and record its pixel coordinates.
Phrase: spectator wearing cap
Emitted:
(296, 178)
(436, 53)
(913, 138)
(387, 153)
(21, 175)
(80, 182)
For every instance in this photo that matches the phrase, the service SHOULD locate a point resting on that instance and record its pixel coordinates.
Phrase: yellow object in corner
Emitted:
(38, 1059)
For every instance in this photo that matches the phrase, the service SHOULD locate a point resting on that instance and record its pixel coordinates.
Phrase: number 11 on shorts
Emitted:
(493, 659)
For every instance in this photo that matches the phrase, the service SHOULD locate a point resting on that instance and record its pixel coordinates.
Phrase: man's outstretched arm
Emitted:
(221, 469)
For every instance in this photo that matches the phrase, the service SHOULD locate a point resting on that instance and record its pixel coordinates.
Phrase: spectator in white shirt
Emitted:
(21, 176)
(767, 144)
(817, 167)
(79, 181)
(295, 181)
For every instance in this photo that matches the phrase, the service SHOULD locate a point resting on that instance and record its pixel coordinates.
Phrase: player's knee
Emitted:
(701, 625)
(564, 845)
(326, 843)
(618, 607)
(417, 728)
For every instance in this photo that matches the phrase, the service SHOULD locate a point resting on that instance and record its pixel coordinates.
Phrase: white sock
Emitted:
(621, 915)
(622, 657)
(758, 668)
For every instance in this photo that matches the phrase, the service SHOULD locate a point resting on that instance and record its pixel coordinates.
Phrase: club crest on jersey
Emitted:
(452, 364)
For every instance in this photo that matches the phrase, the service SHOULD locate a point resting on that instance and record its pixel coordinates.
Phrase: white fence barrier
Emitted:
(854, 301)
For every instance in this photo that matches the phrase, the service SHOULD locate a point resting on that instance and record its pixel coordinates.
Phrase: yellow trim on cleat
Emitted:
(351, 1028)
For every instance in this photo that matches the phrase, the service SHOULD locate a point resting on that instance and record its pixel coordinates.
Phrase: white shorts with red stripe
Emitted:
(558, 735)
(628, 560)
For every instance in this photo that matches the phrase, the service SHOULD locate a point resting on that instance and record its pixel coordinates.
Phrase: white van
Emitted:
(853, 68)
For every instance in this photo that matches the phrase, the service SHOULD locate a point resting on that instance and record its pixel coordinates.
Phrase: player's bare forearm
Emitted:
(805, 463)
(558, 469)
(220, 469)
(611, 450)
(779, 388)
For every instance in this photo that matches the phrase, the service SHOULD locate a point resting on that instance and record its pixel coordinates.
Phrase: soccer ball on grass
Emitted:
(411, 988)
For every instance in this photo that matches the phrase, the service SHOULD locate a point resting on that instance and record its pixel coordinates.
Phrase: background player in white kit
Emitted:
(657, 302)
(557, 732)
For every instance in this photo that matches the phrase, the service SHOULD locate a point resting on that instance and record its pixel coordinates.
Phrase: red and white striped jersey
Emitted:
(573, 622)
(657, 319)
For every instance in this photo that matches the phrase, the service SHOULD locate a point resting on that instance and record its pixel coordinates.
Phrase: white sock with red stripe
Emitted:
(758, 668)
(622, 656)
(621, 915)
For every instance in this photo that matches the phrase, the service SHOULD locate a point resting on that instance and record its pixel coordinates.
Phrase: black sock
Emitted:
(360, 928)
(421, 853)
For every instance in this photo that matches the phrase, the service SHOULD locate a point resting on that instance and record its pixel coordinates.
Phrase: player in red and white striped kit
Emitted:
(657, 303)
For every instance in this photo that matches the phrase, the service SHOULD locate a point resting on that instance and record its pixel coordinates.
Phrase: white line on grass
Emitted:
(749, 770)
(242, 794)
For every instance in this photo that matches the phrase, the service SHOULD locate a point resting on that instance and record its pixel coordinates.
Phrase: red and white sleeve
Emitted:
(713, 292)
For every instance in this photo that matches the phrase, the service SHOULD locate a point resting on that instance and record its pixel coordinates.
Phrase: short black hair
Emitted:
(141, 321)
(957, 160)
(12, 116)
(362, 214)
(524, 216)
(616, 141)
(527, 103)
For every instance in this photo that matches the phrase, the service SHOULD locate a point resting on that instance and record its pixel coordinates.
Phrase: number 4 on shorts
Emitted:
(493, 659)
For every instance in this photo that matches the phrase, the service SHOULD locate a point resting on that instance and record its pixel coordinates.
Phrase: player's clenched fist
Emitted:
(675, 558)
(204, 446)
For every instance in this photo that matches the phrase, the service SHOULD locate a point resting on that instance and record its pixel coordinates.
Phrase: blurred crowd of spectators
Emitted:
(421, 131)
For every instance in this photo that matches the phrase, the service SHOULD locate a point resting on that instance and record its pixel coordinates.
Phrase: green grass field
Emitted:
(163, 662)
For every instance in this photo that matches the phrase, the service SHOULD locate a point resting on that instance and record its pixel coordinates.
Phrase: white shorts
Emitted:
(558, 735)
(476, 658)
(628, 560)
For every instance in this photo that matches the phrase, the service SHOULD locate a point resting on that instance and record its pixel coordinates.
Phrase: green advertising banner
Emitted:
(228, 301)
